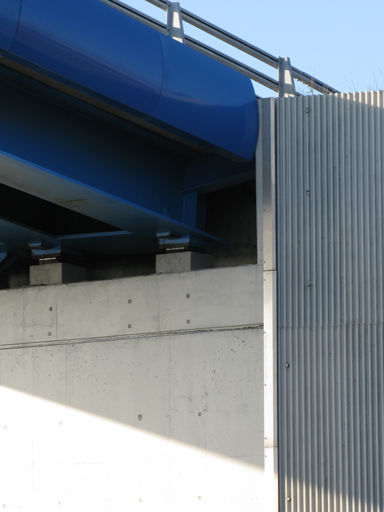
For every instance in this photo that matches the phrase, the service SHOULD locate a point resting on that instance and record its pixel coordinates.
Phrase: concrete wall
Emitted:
(138, 393)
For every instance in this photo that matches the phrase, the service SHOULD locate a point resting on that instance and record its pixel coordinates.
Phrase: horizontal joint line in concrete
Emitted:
(128, 337)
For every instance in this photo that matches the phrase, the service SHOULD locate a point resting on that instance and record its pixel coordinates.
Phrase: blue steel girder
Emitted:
(18, 236)
(7, 257)
(214, 173)
(109, 58)
(54, 148)
(82, 150)
(3, 252)
(115, 211)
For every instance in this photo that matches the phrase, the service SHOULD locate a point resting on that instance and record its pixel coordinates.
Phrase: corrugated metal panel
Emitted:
(330, 239)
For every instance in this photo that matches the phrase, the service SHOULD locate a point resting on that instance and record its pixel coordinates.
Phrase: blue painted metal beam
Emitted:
(74, 158)
(103, 55)
(21, 240)
(213, 173)
(7, 257)
(79, 149)
(142, 224)
(9, 20)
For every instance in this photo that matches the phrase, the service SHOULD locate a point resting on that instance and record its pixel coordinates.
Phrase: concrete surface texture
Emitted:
(138, 393)
(56, 273)
(183, 262)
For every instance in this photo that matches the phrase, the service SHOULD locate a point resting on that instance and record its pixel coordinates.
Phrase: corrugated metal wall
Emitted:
(330, 246)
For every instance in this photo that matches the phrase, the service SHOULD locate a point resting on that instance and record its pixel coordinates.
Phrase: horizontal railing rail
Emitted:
(230, 39)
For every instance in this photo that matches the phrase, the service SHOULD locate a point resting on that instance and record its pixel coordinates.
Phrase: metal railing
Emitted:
(230, 39)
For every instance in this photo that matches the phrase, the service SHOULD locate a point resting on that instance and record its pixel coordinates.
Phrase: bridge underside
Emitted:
(85, 183)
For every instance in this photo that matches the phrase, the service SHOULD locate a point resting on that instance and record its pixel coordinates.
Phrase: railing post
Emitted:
(175, 22)
(286, 81)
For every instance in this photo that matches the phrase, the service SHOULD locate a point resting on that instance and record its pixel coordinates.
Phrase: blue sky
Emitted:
(338, 42)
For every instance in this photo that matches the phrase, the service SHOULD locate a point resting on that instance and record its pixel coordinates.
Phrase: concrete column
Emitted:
(183, 262)
(56, 273)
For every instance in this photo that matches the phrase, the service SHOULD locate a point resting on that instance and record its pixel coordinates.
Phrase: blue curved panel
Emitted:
(111, 57)
(208, 100)
(9, 19)
(95, 46)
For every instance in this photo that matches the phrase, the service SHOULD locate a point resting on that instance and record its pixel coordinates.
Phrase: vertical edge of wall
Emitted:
(266, 175)
(259, 187)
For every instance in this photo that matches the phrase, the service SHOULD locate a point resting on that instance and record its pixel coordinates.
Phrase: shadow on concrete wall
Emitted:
(184, 410)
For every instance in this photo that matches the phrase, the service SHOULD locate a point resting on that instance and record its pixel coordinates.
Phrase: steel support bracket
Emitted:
(44, 251)
(187, 242)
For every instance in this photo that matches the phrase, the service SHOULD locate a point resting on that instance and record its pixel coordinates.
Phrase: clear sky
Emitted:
(339, 42)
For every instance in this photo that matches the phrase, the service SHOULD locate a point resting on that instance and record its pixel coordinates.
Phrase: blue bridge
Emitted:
(111, 133)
